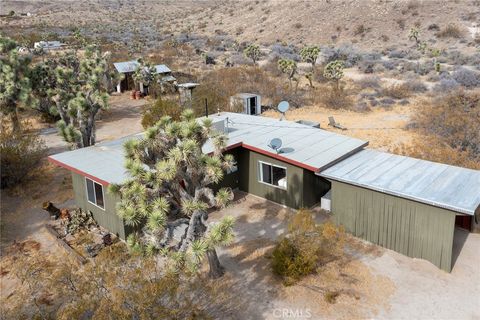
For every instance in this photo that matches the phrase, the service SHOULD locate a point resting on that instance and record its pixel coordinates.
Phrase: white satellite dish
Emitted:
(276, 144)
(282, 108)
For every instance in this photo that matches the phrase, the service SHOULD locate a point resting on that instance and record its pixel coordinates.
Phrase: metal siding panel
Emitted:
(408, 227)
(107, 218)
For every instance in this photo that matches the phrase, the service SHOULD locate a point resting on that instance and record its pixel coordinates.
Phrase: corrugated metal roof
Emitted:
(132, 65)
(303, 145)
(103, 162)
(161, 68)
(436, 184)
(126, 66)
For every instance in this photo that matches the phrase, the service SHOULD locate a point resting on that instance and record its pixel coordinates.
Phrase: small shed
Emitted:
(186, 91)
(248, 103)
(128, 68)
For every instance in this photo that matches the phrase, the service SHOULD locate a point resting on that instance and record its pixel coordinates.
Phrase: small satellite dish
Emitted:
(282, 108)
(276, 144)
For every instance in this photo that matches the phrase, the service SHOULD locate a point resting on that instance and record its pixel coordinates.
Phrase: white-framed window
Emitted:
(272, 175)
(95, 193)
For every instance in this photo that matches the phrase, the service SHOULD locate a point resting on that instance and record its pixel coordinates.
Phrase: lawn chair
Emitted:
(333, 123)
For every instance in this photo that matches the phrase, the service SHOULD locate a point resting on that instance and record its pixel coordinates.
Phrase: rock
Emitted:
(69, 238)
(107, 239)
(93, 250)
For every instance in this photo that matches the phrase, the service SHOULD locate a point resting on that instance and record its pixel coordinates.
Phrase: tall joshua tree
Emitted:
(79, 94)
(170, 188)
(15, 84)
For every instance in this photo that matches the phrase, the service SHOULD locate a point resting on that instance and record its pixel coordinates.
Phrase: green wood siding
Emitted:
(106, 218)
(414, 229)
(304, 188)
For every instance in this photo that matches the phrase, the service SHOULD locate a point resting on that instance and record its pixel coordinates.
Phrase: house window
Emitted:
(272, 175)
(95, 193)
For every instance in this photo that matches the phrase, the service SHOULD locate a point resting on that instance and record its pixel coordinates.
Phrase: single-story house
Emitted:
(408, 205)
(127, 68)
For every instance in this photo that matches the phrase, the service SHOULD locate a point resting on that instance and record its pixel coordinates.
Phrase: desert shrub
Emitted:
(415, 85)
(397, 53)
(153, 112)
(454, 120)
(345, 53)
(367, 66)
(446, 84)
(397, 91)
(20, 154)
(306, 247)
(466, 77)
(280, 51)
(450, 31)
(332, 98)
(368, 82)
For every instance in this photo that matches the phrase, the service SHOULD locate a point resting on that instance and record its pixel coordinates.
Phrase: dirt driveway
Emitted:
(383, 284)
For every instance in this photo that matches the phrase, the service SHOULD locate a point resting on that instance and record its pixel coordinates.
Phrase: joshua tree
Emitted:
(334, 72)
(15, 84)
(414, 35)
(252, 52)
(170, 188)
(79, 94)
(145, 73)
(289, 67)
(310, 54)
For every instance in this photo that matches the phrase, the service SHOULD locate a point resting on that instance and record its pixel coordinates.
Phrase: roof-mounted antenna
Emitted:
(283, 107)
(276, 144)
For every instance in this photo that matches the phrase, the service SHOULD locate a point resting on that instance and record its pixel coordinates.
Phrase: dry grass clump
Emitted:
(397, 91)
(451, 31)
(332, 98)
(450, 125)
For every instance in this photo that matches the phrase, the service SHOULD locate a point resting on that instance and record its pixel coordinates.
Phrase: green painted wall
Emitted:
(106, 218)
(411, 228)
(304, 188)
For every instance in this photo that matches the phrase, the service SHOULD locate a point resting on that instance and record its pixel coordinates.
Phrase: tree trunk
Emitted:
(216, 269)
(16, 127)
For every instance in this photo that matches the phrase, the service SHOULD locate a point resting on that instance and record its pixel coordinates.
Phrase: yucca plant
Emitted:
(170, 187)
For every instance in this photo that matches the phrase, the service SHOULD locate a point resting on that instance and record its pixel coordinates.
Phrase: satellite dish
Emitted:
(282, 108)
(276, 144)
